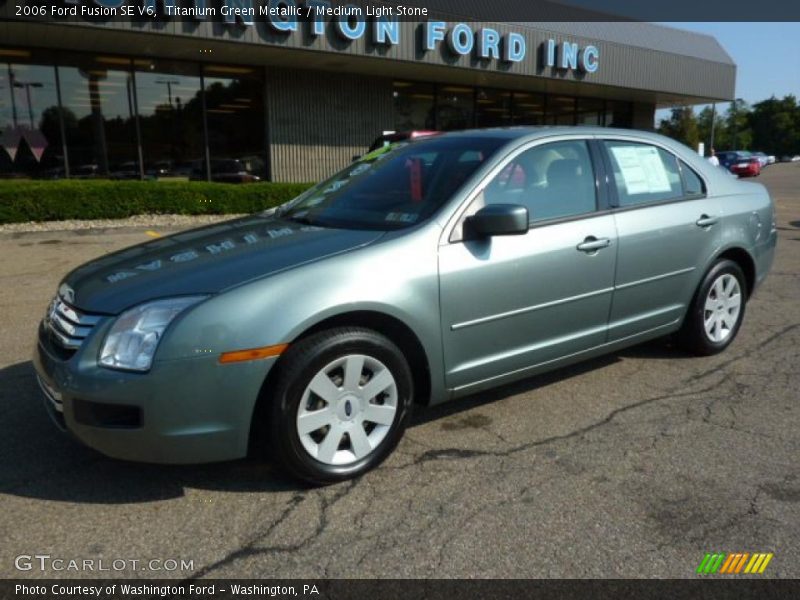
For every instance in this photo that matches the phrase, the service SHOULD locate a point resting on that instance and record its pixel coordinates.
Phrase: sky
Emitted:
(767, 57)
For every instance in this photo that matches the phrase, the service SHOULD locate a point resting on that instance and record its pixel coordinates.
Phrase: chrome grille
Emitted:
(68, 326)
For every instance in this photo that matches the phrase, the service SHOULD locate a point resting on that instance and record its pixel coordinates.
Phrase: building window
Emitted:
(414, 106)
(619, 114)
(99, 117)
(492, 108)
(455, 108)
(560, 110)
(590, 111)
(30, 129)
(235, 119)
(170, 103)
(528, 109)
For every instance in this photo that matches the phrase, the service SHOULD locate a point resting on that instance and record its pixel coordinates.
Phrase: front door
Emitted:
(510, 303)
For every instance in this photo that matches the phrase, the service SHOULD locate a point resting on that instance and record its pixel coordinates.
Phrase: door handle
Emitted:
(706, 221)
(593, 244)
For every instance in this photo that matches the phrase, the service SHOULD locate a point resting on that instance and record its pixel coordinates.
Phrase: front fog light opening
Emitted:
(133, 339)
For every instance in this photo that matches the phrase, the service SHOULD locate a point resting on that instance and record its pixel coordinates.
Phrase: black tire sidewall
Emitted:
(300, 364)
(694, 329)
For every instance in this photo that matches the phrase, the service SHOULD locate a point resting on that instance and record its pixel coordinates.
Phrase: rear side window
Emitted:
(691, 181)
(643, 173)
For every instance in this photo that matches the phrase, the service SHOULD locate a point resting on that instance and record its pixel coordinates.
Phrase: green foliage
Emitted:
(681, 126)
(771, 126)
(24, 200)
(775, 126)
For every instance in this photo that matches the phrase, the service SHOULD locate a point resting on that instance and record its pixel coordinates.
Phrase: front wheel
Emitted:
(717, 310)
(339, 405)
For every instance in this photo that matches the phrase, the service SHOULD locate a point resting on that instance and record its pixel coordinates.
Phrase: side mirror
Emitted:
(498, 219)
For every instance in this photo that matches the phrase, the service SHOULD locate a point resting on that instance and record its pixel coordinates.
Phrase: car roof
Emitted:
(523, 131)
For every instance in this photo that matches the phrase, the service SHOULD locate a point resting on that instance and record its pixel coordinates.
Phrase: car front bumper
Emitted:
(191, 410)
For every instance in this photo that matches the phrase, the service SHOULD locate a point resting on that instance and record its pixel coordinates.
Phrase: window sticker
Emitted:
(402, 217)
(334, 186)
(642, 169)
(360, 169)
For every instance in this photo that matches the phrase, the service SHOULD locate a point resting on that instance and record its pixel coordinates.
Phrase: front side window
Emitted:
(394, 187)
(643, 173)
(552, 181)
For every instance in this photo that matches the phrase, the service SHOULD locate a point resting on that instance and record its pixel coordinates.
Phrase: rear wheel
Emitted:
(717, 310)
(339, 405)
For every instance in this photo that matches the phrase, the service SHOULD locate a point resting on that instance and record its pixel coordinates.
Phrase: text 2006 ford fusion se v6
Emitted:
(425, 271)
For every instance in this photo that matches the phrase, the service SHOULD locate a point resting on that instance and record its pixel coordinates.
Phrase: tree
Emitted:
(681, 126)
(775, 125)
(704, 128)
(737, 125)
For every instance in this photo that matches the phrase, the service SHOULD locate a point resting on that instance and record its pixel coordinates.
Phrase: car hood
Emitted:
(203, 261)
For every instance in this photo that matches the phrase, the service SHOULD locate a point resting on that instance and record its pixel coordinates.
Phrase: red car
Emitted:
(397, 136)
(747, 167)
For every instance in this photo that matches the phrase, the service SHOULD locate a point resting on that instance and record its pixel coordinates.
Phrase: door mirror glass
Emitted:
(497, 219)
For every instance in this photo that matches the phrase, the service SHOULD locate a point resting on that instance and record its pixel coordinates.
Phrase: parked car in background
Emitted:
(740, 162)
(747, 167)
(228, 170)
(771, 159)
(436, 269)
(763, 159)
(728, 157)
(391, 137)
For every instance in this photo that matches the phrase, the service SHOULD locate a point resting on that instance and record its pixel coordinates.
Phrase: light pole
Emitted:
(27, 85)
(168, 83)
(11, 91)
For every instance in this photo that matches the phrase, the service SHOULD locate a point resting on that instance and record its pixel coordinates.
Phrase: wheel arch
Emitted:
(395, 329)
(746, 263)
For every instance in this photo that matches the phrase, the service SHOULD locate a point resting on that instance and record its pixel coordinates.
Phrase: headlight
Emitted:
(133, 339)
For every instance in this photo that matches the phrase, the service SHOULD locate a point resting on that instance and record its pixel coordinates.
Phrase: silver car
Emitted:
(424, 272)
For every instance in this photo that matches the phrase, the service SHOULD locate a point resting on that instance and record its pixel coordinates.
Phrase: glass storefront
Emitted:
(31, 142)
(492, 108)
(98, 113)
(86, 116)
(170, 103)
(414, 106)
(529, 109)
(455, 107)
(235, 102)
(77, 115)
(447, 107)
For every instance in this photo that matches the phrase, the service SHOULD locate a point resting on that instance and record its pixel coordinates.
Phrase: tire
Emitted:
(716, 313)
(325, 380)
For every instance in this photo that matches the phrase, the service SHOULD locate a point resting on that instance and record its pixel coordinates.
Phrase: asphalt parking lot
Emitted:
(632, 465)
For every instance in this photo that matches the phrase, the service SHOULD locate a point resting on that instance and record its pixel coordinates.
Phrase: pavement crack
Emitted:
(251, 547)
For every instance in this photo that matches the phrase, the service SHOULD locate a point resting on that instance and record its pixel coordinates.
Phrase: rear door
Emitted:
(667, 228)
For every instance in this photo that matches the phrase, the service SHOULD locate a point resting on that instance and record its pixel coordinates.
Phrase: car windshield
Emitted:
(393, 187)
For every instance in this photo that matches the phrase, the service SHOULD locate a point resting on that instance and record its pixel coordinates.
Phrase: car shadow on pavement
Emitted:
(39, 461)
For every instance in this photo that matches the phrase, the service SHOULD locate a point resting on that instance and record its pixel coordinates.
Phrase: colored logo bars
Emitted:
(734, 563)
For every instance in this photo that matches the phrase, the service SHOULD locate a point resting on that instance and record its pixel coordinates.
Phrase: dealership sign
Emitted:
(379, 25)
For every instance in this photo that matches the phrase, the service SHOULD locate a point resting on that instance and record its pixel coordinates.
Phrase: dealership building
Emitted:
(294, 98)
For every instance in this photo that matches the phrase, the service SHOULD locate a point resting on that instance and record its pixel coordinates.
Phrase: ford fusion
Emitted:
(426, 271)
